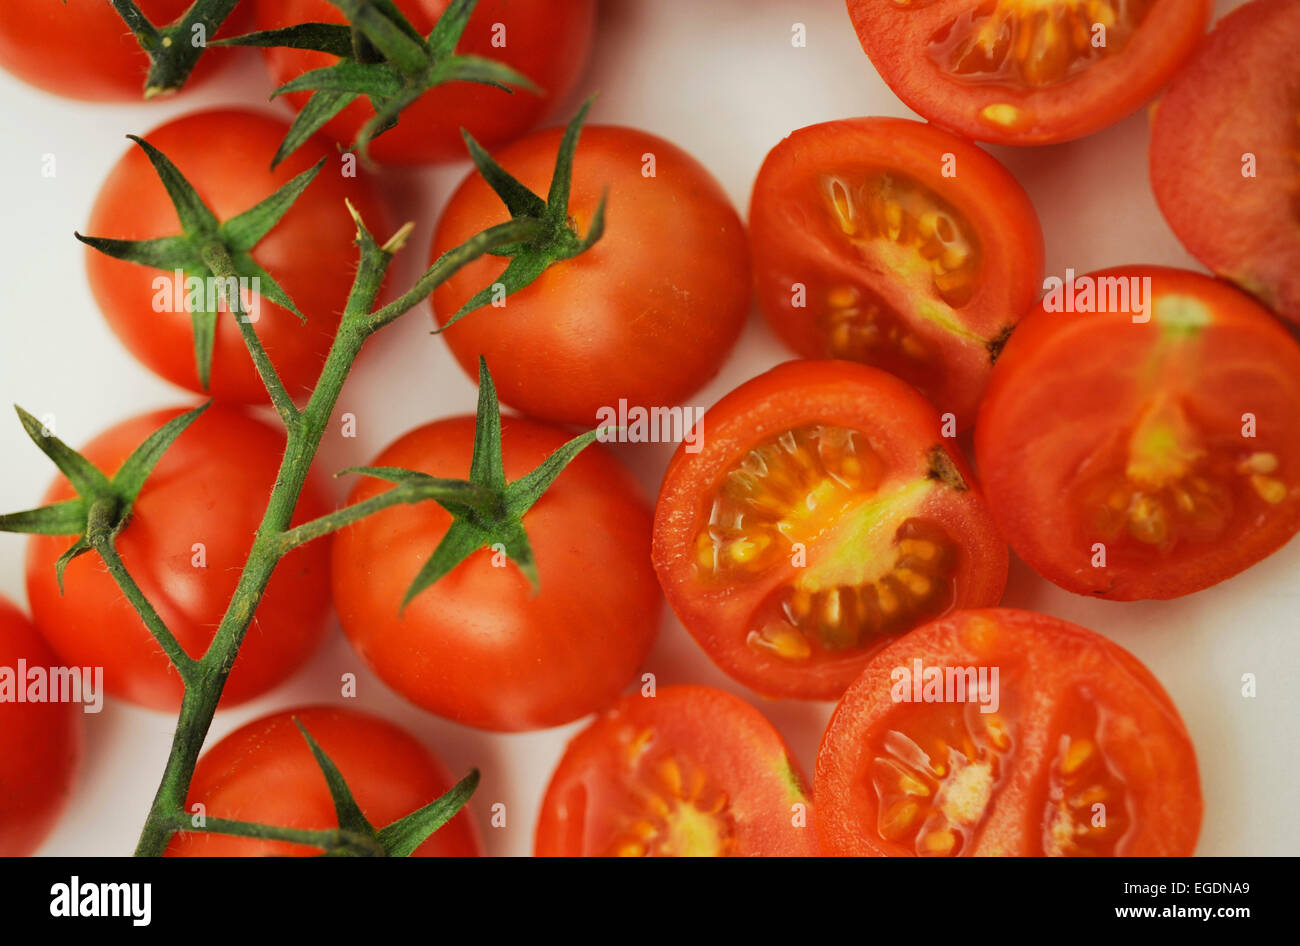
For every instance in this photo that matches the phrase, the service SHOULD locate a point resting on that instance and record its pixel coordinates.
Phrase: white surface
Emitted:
(721, 79)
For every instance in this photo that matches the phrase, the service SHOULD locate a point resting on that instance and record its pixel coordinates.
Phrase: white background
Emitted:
(721, 79)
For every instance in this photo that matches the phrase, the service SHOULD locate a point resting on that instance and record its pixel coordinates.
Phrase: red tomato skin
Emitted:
(226, 155)
(549, 41)
(1243, 77)
(639, 315)
(265, 772)
(210, 487)
(789, 395)
(40, 745)
(82, 49)
(479, 647)
(733, 742)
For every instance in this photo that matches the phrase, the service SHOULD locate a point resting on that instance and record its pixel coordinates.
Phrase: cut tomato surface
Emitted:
(1027, 72)
(897, 244)
(1145, 459)
(1073, 749)
(1225, 153)
(691, 771)
(824, 515)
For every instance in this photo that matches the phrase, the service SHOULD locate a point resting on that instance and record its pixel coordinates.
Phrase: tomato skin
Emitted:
(1149, 744)
(640, 315)
(40, 744)
(82, 49)
(725, 737)
(1236, 97)
(893, 36)
(904, 429)
(210, 487)
(226, 155)
(265, 772)
(479, 647)
(549, 41)
(796, 240)
(1246, 364)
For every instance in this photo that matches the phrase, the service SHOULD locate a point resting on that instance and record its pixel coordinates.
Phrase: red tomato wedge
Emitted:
(690, 772)
(1225, 153)
(265, 772)
(823, 515)
(1027, 72)
(897, 244)
(1144, 459)
(1073, 749)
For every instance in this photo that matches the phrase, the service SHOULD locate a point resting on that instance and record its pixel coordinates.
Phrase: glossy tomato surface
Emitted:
(824, 515)
(689, 772)
(548, 41)
(1144, 459)
(1027, 72)
(311, 253)
(480, 646)
(648, 314)
(40, 742)
(265, 772)
(185, 545)
(1072, 750)
(897, 244)
(1225, 153)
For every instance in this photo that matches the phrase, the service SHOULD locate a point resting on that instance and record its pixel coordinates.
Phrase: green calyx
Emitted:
(174, 49)
(381, 56)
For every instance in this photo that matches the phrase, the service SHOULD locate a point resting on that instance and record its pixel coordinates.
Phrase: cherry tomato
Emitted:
(40, 742)
(1018, 72)
(311, 252)
(548, 41)
(185, 545)
(1073, 749)
(648, 314)
(689, 772)
(824, 515)
(82, 49)
(1144, 459)
(265, 772)
(897, 244)
(480, 646)
(1225, 153)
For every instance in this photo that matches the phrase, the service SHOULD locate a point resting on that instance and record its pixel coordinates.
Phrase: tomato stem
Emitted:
(173, 50)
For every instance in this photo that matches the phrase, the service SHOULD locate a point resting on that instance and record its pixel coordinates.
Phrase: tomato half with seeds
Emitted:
(897, 244)
(481, 646)
(689, 772)
(549, 41)
(311, 253)
(1027, 72)
(40, 742)
(265, 772)
(824, 515)
(1073, 749)
(185, 545)
(1225, 153)
(1144, 459)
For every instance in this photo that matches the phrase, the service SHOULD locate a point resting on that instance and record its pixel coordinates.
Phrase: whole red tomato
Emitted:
(226, 154)
(546, 40)
(265, 772)
(480, 646)
(39, 742)
(648, 313)
(186, 542)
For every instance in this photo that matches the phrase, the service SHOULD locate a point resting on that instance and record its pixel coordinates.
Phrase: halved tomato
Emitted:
(824, 515)
(1073, 749)
(1144, 459)
(897, 244)
(690, 772)
(1027, 72)
(1225, 153)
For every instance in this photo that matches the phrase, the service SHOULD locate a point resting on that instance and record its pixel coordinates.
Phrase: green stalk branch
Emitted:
(185, 665)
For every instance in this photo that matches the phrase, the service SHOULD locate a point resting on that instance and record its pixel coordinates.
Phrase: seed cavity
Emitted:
(1081, 778)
